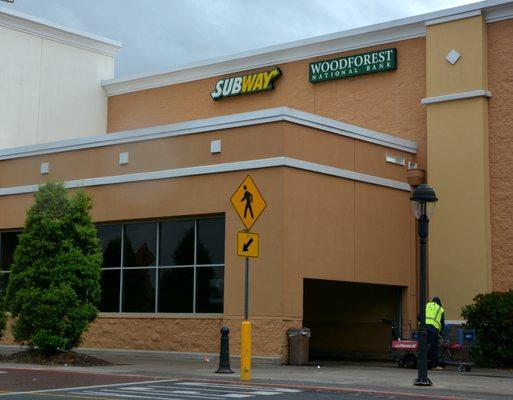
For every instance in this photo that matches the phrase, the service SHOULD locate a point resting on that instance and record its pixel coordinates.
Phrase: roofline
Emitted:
(213, 124)
(382, 33)
(49, 30)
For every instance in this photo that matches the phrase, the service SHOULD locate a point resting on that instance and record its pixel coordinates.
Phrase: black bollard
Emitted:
(224, 354)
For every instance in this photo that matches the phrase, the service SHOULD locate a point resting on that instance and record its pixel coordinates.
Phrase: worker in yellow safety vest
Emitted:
(435, 324)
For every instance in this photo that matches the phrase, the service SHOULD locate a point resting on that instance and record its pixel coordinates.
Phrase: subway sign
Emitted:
(358, 64)
(245, 84)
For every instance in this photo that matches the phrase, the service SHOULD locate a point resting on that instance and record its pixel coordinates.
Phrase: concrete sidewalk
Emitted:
(382, 377)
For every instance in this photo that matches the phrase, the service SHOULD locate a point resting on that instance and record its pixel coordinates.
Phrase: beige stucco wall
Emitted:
(500, 43)
(388, 102)
(457, 143)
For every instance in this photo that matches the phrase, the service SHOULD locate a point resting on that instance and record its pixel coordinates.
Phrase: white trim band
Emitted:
(454, 17)
(48, 30)
(218, 168)
(214, 124)
(457, 96)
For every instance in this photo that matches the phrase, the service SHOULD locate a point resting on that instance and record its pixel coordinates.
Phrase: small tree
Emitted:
(55, 277)
(491, 315)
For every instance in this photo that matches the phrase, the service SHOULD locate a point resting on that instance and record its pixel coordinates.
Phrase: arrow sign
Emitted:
(245, 247)
(247, 244)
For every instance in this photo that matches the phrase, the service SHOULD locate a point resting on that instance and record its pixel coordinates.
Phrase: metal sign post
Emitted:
(245, 333)
(249, 205)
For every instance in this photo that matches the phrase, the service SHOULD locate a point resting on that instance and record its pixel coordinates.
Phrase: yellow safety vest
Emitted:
(434, 315)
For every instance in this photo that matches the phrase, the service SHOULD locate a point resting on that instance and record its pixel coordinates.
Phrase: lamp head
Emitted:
(424, 199)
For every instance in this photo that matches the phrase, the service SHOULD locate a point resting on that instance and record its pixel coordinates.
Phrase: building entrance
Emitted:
(344, 318)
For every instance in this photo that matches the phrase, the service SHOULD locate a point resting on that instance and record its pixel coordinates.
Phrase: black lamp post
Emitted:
(424, 199)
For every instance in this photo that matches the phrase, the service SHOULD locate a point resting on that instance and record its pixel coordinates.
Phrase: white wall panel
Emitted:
(20, 56)
(72, 101)
(50, 82)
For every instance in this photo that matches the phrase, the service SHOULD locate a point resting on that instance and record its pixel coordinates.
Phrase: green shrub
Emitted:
(55, 276)
(491, 316)
(3, 318)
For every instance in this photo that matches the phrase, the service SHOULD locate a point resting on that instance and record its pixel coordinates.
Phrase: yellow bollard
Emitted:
(245, 351)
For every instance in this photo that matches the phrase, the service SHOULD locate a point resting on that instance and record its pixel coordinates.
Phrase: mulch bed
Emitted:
(69, 358)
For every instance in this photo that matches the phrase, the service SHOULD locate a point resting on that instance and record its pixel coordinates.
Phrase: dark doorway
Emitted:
(344, 318)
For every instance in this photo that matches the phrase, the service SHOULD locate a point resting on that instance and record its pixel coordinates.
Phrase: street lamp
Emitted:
(424, 199)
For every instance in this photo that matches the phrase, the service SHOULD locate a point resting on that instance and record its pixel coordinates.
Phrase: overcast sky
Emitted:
(159, 34)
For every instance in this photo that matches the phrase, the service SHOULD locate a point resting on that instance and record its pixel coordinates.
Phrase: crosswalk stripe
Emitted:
(186, 393)
(125, 395)
(182, 390)
(232, 395)
(240, 387)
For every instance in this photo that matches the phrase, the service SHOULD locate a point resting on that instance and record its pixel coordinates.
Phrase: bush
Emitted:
(491, 316)
(55, 276)
(3, 318)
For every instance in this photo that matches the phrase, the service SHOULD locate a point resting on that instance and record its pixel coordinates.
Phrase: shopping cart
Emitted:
(404, 353)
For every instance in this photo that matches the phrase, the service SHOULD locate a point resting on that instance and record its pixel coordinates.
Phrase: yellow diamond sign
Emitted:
(247, 244)
(248, 202)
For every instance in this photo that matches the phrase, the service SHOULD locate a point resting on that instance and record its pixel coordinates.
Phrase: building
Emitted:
(50, 80)
(329, 129)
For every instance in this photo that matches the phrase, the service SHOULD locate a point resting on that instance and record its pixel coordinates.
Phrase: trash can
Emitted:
(299, 340)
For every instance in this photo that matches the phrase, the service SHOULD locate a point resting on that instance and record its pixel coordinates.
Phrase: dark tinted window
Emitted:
(176, 290)
(177, 243)
(140, 244)
(8, 243)
(139, 290)
(4, 279)
(209, 289)
(210, 247)
(110, 237)
(110, 290)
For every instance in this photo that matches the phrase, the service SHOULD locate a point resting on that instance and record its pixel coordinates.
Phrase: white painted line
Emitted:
(233, 395)
(235, 386)
(184, 393)
(106, 392)
(87, 387)
(264, 393)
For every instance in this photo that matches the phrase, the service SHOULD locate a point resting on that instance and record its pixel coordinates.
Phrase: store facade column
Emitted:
(457, 154)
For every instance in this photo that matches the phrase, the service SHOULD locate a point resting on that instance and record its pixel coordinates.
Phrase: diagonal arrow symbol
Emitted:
(245, 246)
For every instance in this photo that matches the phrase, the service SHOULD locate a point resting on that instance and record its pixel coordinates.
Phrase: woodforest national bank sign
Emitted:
(358, 64)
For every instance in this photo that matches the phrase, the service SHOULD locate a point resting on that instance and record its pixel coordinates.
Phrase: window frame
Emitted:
(18, 231)
(157, 267)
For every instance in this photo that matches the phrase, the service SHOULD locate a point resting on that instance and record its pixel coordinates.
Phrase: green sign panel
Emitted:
(358, 64)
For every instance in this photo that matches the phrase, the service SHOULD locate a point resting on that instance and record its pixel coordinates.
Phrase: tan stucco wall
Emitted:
(457, 143)
(294, 241)
(238, 144)
(358, 233)
(500, 58)
(388, 102)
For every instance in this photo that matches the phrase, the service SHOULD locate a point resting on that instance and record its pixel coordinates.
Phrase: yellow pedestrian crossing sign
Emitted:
(247, 244)
(248, 202)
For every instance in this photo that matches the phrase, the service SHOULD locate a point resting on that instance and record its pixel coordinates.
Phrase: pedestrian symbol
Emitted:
(248, 202)
(248, 198)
